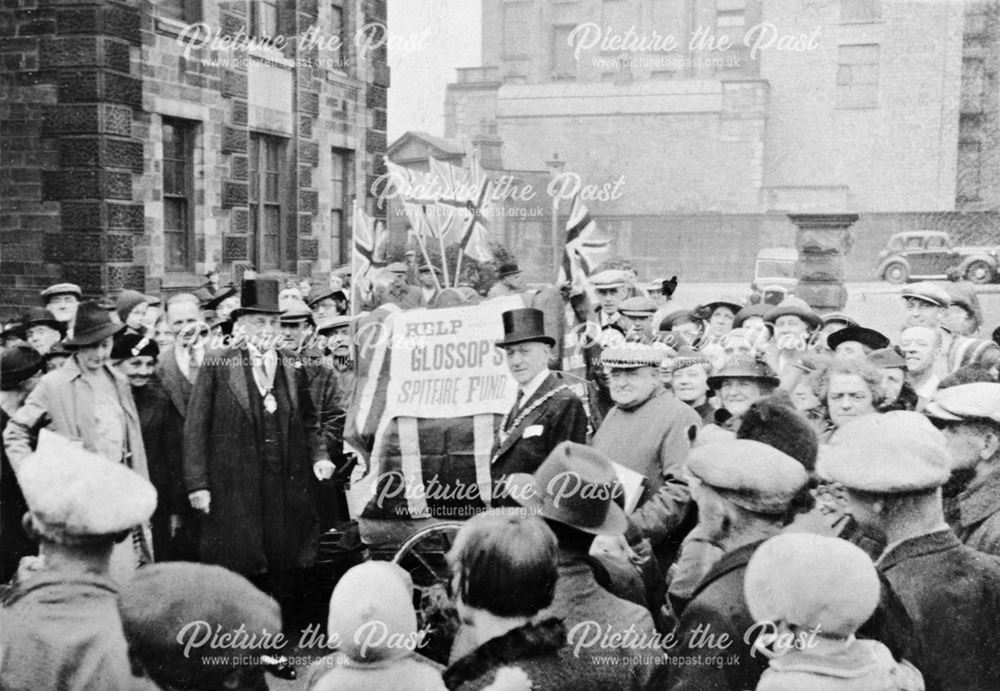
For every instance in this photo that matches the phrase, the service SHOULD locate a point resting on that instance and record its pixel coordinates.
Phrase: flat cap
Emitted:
(887, 453)
(75, 495)
(609, 278)
(887, 358)
(397, 268)
(170, 610)
(297, 311)
(632, 356)
(63, 289)
(750, 474)
(979, 401)
(928, 292)
(789, 578)
(637, 306)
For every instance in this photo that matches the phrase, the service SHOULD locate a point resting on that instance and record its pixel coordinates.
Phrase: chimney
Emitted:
(488, 146)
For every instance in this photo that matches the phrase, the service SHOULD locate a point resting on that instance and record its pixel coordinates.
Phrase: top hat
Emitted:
(258, 296)
(575, 485)
(508, 269)
(523, 325)
(93, 324)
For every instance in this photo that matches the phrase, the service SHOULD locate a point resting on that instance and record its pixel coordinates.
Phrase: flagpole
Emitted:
(556, 258)
(427, 258)
(355, 286)
(444, 257)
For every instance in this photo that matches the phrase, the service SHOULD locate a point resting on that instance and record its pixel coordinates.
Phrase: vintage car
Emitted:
(919, 255)
(774, 275)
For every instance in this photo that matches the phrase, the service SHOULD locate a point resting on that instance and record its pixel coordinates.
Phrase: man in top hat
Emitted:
(20, 369)
(950, 592)
(398, 291)
(63, 630)
(163, 599)
(636, 317)
(63, 300)
(794, 323)
(546, 411)
(969, 417)
(743, 488)
(42, 330)
(508, 280)
(87, 399)
(301, 350)
(253, 453)
(162, 426)
(856, 341)
(657, 427)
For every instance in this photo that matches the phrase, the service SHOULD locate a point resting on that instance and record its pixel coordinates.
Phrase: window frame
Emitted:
(188, 130)
(848, 92)
(341, 209)
(259, 201)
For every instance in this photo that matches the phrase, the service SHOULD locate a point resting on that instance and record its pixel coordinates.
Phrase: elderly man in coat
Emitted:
(743, 488)
(88, 400)
(969, 417)
(252, 453)
(62, 629)
(950, 592)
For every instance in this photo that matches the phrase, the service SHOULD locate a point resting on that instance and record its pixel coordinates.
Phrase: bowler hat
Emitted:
(40, 316)
(508, 269)
(744, 368)
(523, 325)
(18, 363)
(575, 485)
(258, 296)
(93, 324)
(866, 337)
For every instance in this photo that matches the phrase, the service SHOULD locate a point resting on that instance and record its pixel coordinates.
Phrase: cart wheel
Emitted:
(422, 555)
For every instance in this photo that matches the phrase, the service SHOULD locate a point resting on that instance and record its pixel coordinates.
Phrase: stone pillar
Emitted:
(823, 241)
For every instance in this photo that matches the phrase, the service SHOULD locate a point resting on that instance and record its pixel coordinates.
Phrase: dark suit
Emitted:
(184, 545)
(263, 513)
(717, 607)
(952, 596)
(560, 418)
(174, 382)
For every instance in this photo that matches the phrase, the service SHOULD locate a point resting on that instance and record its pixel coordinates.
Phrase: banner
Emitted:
(445, 362)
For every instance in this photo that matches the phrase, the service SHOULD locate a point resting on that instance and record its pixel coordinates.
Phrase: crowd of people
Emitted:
(745, 495)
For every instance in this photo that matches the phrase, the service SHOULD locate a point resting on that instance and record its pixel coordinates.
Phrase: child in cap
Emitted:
(808, 613)
(373, 626)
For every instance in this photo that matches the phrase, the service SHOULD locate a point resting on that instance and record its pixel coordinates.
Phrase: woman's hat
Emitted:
(759, 309)
(221, 294)
(18, 363)
(93, 324)
(575, 485)
(129, 345)
(524, 325)
(744, 368)
(258, 296)
(40, 316)
(325, 293)
(732, 303)
(508, 269)
(795, 307)
(668, 321)
(128, 300)
(866, 337)
(379, 594)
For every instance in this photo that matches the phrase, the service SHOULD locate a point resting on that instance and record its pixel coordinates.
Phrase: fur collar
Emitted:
(531, 640)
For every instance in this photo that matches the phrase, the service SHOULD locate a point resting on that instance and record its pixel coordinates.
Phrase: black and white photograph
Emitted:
(504, 345)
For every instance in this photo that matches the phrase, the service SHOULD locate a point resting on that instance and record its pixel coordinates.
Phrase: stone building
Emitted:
(725, 116)
(145, 142)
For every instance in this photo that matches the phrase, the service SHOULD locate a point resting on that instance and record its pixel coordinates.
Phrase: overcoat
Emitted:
(952, 596)
(260, 518)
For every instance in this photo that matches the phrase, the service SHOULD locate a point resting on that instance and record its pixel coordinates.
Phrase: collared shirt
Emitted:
(893, 545)
(263, 366)
(529, 389)
(183, 356)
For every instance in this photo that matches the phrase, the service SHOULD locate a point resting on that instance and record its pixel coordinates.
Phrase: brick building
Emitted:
(885, 109)
(142, 143)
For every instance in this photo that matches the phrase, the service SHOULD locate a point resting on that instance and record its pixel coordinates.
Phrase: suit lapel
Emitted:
(515, 433)
(176, 384)
(238, 380)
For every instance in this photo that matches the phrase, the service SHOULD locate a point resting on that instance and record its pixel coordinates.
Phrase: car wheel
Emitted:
(979, 272)
(895, 273)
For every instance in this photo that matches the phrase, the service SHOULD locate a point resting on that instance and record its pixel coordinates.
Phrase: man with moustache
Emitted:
(794, 323)
(546, 411)
(253, 453)
(135, 356)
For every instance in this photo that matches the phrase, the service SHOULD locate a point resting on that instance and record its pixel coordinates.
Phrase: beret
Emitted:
(979, 401)
(887, 453)
(928, 292)
(632, 356)
(167, 609)
(609, 278)
(74, 494)
(63, 289)
(789, 578)
(750, 474)
(637, 305)
(375, 591)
